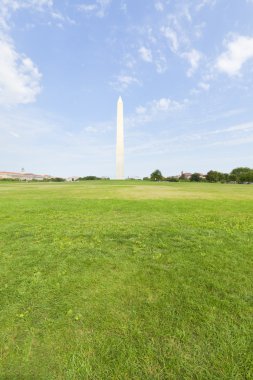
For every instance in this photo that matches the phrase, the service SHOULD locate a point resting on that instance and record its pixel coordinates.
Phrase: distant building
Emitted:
(188, 175)
(24, 176)
(185, 175)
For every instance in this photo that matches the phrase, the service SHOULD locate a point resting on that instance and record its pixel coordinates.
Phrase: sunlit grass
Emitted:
(126, 280)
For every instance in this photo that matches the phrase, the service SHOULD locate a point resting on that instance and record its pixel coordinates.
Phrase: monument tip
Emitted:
(120, 99)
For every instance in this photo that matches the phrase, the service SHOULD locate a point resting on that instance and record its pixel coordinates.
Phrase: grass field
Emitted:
(126, 280)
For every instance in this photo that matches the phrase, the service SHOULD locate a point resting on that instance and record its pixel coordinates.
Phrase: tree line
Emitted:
(237, 175)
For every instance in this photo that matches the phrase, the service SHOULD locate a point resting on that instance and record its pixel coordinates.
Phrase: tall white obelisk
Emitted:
(120, 141)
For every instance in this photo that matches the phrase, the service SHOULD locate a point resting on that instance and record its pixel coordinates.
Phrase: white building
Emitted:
(23, 176)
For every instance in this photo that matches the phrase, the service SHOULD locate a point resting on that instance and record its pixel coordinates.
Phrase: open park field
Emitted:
(126, 280)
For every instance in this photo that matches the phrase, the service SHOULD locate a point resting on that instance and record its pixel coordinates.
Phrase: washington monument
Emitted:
(120, 141)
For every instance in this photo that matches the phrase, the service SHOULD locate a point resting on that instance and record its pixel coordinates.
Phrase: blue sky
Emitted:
(183, 68)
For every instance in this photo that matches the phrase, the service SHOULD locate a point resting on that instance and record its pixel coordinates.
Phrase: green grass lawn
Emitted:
(126, 280)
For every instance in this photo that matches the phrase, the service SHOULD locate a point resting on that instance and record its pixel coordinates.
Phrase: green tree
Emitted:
(225, 177)
(241, 174)
(195, 177)
(245, 177)
(156, 176)
(238, 171)
(57, 179)
(232, 177)
(171, 179)
(214, 176)
(89, 178)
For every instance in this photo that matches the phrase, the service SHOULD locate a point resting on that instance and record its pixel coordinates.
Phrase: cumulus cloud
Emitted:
(164, 104)
(193, 57)
(154, 110)
(157, 110)
(145, 54)
(158, 105)
(172, 37)
(238, 51)
(19, 77)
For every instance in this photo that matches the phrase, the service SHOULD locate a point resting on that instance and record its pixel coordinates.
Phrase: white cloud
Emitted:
(238, 51)
(204, 86)
(193, 57)
(91, 129)
(155, 110)
(103, 127)
(7, 7)
(99, 8)
(145, 54)
(172, 37)
(234, 142)
(123, 81)
(57, 16)
(198, 29)
(19, 77)
(157, 106)
(14, 134)
(36, 3)
(234, 135)
(244, 127)
(161, 63)
(204, 3)
(88, 7)
(159, 6)
(14, 5)
(180, 33)
(164, 104)
(140, 110)
(129, 61)
(123, 7)
(177, 30)
(55, 148)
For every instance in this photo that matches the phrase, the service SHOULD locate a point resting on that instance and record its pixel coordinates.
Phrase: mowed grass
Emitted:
(126, 280)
